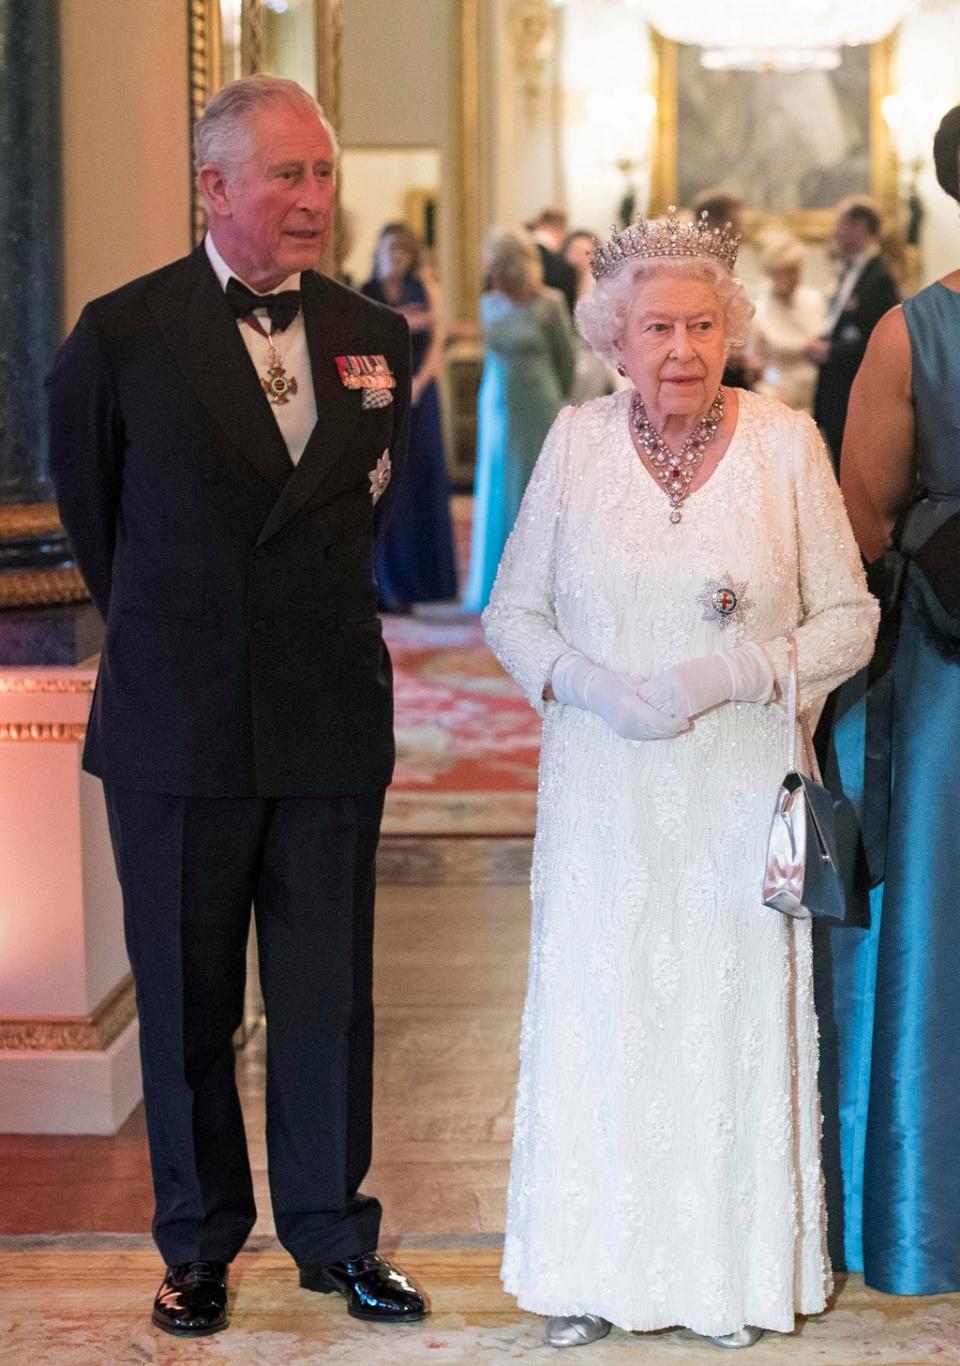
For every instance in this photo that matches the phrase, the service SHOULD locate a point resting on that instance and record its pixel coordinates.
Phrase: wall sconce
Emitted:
(912, 118)
(620, 120)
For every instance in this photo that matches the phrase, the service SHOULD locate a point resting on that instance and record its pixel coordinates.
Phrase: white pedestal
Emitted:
(68, 1057)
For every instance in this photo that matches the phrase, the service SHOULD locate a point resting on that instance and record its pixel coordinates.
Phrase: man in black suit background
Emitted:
(221, 433)
(723, 210)
(549, 232)
(865, 291)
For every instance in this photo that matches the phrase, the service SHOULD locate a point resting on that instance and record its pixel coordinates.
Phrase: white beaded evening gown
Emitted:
(666, 1152)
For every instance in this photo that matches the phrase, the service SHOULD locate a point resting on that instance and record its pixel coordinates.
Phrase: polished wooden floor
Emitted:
(451, 963)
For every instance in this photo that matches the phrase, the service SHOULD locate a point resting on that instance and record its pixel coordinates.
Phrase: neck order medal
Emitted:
(276, 383)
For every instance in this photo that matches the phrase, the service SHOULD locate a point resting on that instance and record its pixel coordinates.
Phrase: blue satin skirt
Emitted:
(415, 559)
(888, 985)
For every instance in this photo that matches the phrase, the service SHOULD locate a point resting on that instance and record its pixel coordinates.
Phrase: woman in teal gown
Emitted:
(527, 373)
(890, 985)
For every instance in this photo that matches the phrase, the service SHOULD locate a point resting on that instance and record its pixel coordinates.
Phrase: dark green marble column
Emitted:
(37, 577)
(30, 276)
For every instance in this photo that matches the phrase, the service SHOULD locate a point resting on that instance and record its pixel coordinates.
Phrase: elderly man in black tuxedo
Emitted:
(865, 291)
(221, 433)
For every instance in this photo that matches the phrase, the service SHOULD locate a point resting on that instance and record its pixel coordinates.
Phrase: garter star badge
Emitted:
(723, 600)
(380, 477)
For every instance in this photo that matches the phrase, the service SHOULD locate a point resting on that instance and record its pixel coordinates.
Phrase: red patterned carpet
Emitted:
(467, 740)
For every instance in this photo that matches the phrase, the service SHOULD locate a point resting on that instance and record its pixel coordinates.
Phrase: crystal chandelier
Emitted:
(763, 35)
(773, 35)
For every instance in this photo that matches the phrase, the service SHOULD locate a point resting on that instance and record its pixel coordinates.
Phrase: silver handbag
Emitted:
(802, 876)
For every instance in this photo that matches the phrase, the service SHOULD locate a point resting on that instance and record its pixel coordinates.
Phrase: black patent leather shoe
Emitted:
(192, 1301)
(372, 1288)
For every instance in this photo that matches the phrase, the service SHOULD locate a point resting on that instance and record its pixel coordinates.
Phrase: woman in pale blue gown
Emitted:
(889, 985)
(527, 373)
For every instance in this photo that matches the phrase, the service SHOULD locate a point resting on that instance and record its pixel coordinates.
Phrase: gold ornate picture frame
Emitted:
(812, 221)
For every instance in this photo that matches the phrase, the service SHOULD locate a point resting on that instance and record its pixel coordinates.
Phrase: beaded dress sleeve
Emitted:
(520, 622)
(839, 618)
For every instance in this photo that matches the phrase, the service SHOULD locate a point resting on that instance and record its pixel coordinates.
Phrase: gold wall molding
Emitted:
(329, 30)
(29, 519)
(206, 76)
(532, 34)
(663, 173)
(42, 587)
(37, 683)
(206, 65)
(467, 178)
(883, 157)
(43, 732)
(37, 587)
(251, 37)
(84, 1033)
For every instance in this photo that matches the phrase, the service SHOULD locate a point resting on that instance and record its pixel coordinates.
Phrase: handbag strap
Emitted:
(812, 768)
(792, 705)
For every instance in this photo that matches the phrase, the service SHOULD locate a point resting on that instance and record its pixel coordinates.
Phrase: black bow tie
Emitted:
(281, 308)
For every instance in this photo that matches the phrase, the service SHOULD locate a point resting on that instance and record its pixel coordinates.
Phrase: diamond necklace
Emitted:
(675, 472)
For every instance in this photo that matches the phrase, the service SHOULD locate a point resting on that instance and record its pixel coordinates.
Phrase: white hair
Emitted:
(222, 135)
(602, 315)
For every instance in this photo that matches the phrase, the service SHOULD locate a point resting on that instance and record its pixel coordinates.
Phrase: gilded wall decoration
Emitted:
(85, 1033)
(43, 732)
(532, 34)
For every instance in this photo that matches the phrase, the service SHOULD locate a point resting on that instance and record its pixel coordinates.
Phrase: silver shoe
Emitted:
(743, 1337)
(575, 1330)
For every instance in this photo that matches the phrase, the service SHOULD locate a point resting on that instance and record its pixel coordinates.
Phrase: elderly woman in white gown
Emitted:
(666, 1166)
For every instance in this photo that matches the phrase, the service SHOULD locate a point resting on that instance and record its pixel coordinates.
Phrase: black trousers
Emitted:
(190, 869)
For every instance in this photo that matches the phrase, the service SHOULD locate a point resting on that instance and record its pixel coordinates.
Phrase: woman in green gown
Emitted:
(527, 373)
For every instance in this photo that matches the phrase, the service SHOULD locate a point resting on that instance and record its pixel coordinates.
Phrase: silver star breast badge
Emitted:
(380, 477)
(724, 600)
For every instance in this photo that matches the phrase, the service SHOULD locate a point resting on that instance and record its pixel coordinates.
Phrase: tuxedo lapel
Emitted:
(338, 409)
(200, 330)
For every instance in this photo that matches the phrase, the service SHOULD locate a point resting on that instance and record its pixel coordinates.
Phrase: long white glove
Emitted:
(743, 674)
(613, 697)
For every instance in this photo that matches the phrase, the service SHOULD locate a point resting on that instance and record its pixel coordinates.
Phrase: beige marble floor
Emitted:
(450, 972)
(96, 1315)
(451, 963)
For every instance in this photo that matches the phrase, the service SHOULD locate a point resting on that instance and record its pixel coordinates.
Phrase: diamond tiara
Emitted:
(653, 239)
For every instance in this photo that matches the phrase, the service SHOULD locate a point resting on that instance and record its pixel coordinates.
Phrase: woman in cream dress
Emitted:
(789, 315)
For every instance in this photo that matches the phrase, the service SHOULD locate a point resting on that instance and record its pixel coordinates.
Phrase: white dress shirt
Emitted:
(296, 418)
(847, 283)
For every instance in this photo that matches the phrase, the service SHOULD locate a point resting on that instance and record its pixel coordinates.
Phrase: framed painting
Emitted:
(789, 145)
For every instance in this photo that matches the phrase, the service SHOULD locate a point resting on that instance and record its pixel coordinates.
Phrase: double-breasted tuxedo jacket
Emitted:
(874, 293)
(243, 653)
(242, 724)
